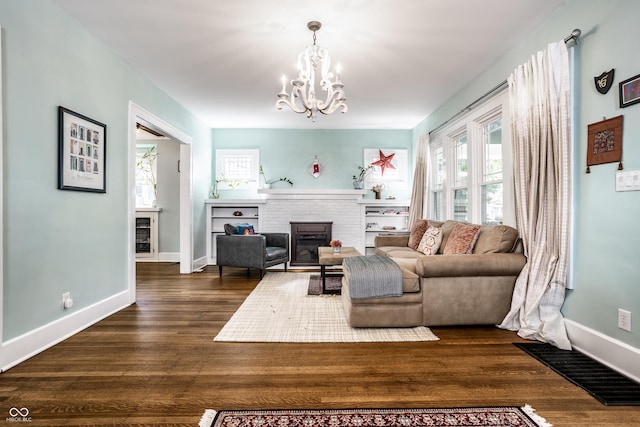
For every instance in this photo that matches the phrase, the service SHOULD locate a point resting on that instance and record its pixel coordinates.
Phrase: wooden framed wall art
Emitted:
(605, 142)
(82, 152)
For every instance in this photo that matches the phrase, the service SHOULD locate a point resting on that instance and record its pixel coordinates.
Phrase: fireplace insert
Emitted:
(306, 237)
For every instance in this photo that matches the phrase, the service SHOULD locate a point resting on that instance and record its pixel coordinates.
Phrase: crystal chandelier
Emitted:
(303, 99)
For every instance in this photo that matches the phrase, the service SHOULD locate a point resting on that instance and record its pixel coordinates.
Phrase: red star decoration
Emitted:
(384, 162)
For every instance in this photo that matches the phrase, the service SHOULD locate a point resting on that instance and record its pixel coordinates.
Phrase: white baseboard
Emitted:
(19, 349)
(609, 351)
(169, 257)
(199, 264)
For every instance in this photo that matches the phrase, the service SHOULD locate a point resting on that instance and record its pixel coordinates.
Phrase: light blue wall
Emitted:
(57, 241)
(288, 153)
(606, 263)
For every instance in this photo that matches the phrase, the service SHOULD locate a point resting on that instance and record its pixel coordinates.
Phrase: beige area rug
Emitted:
(279, 310)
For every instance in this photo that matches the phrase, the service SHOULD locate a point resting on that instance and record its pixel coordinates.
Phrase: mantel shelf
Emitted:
(294, 193)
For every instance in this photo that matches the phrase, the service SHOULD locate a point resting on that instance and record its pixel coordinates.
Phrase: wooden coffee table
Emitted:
(326, 256)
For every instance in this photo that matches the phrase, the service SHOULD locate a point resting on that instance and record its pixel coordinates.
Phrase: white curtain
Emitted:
(540, 103)
(419, 190)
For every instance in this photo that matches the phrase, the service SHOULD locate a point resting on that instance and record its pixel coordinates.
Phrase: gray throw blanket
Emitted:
(373, 277)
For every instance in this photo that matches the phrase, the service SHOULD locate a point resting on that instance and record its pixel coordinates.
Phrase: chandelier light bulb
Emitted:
(314, 61)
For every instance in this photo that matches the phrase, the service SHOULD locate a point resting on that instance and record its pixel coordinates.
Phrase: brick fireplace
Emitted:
(342, 208)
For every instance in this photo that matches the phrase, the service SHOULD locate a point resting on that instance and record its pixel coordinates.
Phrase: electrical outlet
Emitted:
(67, 302)
(624, 320)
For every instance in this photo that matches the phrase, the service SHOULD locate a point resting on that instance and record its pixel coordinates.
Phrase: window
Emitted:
(491, 185)
(437, 194)
(460, 191)
(471, 167)
(237, 169)
(146, 174)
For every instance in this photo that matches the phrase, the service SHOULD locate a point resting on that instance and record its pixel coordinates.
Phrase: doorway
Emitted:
(138, 115)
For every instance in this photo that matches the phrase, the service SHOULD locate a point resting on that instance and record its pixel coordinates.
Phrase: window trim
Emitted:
(250, 183)
(472, 124)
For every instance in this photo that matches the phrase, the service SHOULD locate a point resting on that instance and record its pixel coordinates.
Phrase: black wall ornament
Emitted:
(604, 81)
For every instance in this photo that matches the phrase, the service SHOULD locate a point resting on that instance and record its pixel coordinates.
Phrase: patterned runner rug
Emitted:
(279, 310)
(489, 416)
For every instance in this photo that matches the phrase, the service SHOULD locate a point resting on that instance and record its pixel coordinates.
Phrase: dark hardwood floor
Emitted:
(155, 363)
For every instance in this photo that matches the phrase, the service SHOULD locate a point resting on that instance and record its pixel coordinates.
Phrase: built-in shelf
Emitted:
(147, 234)
(384, 216)
(221, 212)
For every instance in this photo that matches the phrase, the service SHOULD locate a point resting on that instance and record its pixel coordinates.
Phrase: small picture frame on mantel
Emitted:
(605, 142)
(82, 152)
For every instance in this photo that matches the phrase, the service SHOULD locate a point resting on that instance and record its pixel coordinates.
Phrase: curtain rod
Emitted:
(574, 36)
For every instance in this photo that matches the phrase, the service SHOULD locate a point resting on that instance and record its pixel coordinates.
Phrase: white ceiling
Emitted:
(223, 59)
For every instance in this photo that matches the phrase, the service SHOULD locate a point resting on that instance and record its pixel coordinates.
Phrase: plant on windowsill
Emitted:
(267, 184)
(358, 180)
(232, 183)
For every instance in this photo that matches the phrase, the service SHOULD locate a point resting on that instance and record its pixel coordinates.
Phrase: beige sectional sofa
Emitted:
(445, 289)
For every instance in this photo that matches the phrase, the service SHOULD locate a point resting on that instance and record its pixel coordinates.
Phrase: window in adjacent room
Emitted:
(146, 175)
(471, 167)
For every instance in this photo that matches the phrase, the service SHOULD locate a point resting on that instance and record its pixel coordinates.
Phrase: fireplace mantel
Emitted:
(294, 193)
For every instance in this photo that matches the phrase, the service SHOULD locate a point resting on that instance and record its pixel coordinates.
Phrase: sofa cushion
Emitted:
(417, 231)
(447, 227)
(430, 242)
(462, 239)
(397, 251)
(410, 280)
(496, 239)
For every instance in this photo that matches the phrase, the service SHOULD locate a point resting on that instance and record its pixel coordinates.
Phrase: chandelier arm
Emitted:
(290, 101)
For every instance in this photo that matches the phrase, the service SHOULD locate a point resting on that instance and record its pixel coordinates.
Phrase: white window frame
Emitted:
(472, 124)
(454, 137)
(434, 187)
(246, 181)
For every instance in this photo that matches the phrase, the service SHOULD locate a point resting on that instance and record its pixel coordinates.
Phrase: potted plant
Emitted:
(358, 180)
(377, 189)
(267, 184)
(233, 184)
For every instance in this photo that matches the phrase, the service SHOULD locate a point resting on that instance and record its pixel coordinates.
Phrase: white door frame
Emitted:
(139, 115)
(1, 205)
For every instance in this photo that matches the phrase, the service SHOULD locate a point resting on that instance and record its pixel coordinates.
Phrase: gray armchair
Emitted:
(252, 251)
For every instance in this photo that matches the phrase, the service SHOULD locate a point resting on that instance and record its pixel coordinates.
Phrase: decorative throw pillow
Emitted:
(430, 241)
(462, 239)
(245, 229)
(230, 229)
(417, 231)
